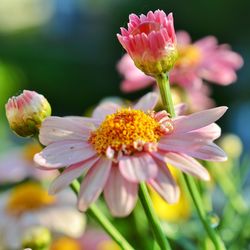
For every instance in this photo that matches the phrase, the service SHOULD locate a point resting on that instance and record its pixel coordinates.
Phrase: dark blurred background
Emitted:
(67, 50)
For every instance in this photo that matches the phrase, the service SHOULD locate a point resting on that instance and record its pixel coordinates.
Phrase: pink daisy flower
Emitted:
(202, 60)
(150, 41)
(120, 147)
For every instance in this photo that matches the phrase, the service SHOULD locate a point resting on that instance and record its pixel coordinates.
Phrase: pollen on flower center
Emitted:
(188, 56)
(128, 131)
(28, 197)
(146, 27)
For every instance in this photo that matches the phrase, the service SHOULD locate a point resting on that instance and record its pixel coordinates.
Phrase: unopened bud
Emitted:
(36, 238)
(26, 112)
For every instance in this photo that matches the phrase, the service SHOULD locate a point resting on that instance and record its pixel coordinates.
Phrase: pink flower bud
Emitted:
(26, 112)
(151, 42)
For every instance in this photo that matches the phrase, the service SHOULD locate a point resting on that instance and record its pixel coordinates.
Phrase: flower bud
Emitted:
(151, 42)
(26, 112)
(36, 238)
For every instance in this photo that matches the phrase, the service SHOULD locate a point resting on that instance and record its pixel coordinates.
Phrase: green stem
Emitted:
(98, 216)
(164, 86)
(153, 220)
(219, 245)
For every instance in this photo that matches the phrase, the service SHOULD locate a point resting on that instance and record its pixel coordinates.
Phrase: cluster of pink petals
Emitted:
(67, 146)
(148, 37)
(217, 64)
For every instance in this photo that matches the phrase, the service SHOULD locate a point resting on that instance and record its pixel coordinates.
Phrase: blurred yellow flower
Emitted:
(65, 243)
(172, 212)
(232, 145)
(26, 197)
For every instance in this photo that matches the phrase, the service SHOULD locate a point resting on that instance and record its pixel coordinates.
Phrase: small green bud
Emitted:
(36, 238)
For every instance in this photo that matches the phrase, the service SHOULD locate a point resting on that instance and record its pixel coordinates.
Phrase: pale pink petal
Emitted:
(164, 184)
(184, 163)
(147, 102)
(64, 153)
(120, 194)
(211, 132)
(138, 168)
(180, 109)
(105, 109)
(182, 143)
(85, 121)
(69, 174)
(55, 129)
(209, 152)
(207, 43)
(183, 38)
(133, 85)
(197, 120)
(94, 183)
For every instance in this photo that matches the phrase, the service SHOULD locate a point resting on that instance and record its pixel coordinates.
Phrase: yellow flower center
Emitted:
(126, 130)
(30, 150)
(28, 197)
(188, 56)
(65, 243)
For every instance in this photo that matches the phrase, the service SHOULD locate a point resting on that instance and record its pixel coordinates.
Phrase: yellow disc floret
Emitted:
(189, 56)
(28, 197)
(126, 130)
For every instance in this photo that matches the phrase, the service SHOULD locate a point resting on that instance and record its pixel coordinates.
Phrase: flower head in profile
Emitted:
(26, 112)
(120, 147)
(202, 60)
(150, 41)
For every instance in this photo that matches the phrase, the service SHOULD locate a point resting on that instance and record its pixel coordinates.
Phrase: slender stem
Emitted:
(164, 86)
(98, 216)
(153, 220)
(202, 213)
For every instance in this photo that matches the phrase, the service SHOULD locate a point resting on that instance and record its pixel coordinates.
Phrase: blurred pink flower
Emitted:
(120, 147)
(202, 60)
(94, 239)
(150, 41)
(17, 164)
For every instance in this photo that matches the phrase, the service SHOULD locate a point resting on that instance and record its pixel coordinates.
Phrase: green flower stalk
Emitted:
(164, 86)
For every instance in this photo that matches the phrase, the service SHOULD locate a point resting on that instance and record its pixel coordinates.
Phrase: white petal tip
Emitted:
(206, 177)
(82, 207)
(119, 214)
(174, 198)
